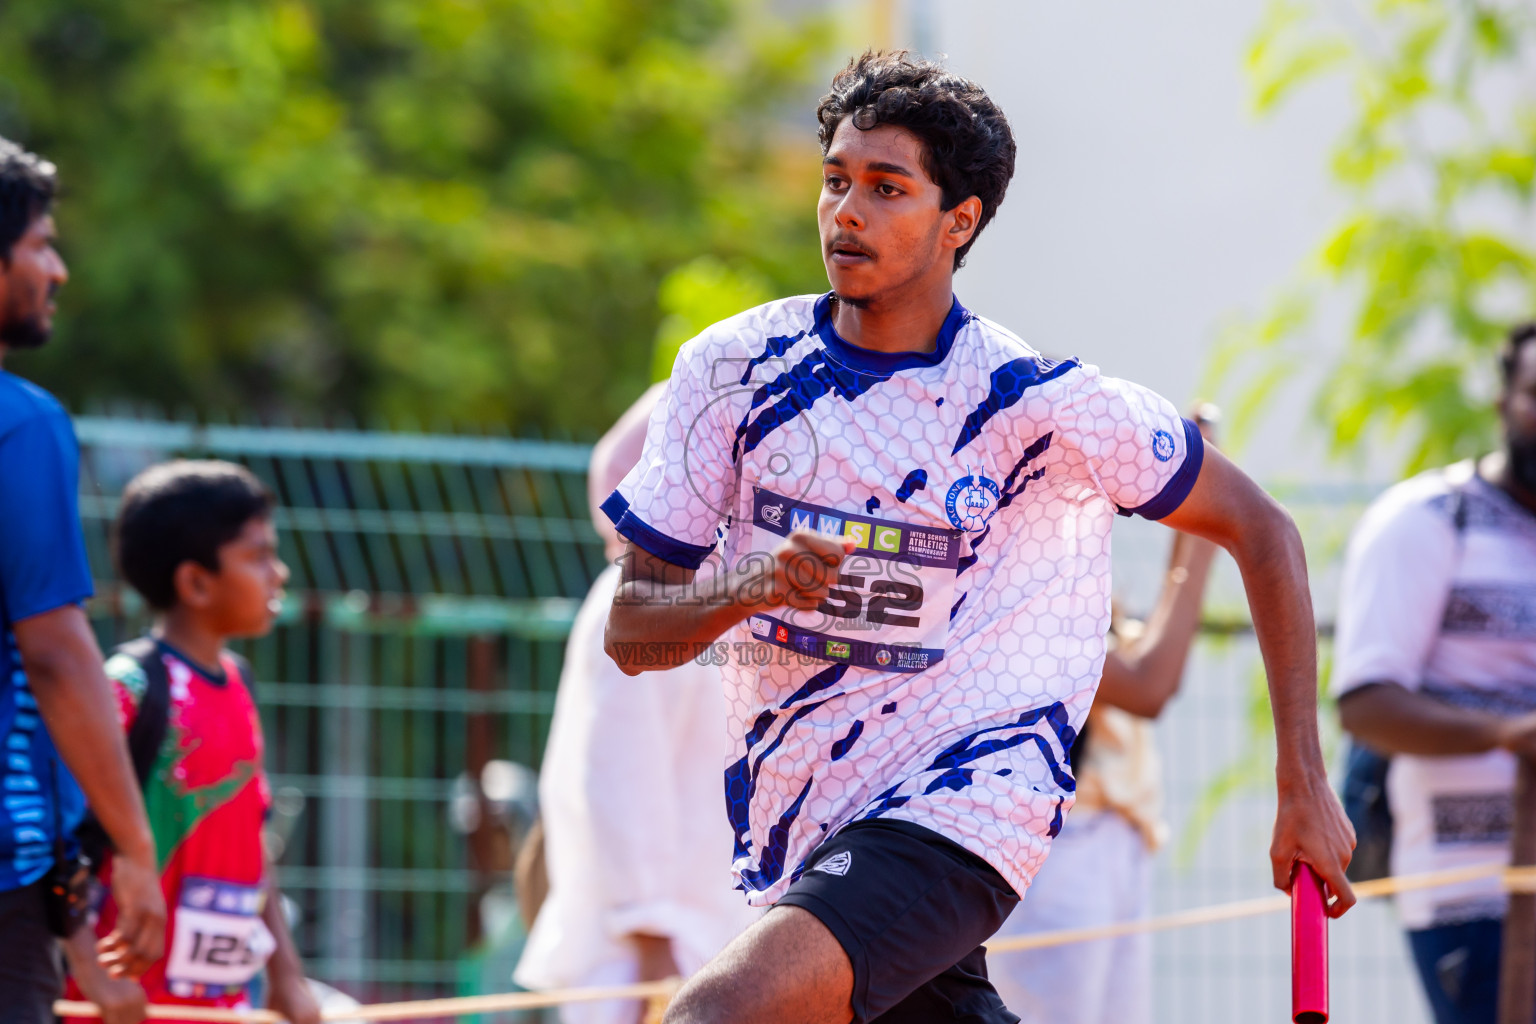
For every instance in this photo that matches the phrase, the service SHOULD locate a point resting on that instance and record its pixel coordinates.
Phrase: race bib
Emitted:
(220, 939)
(888, 610)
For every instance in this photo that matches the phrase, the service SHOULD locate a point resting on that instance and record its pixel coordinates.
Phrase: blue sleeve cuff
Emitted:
(635, 530)
(1183, 481)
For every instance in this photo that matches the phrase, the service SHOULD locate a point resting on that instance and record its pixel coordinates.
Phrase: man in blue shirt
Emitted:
(58, 718)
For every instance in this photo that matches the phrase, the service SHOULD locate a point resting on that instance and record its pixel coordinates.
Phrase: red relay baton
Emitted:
(1309, 948)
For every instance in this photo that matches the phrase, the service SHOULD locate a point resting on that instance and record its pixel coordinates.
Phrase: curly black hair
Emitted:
(968, 148)
(27, 187)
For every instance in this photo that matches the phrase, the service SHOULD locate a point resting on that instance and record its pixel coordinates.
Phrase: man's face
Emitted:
(27, 286)
(1517, 409)
(882, 225)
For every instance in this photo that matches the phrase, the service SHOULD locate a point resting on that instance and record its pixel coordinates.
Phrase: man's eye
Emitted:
(887, 189)
(832, 182)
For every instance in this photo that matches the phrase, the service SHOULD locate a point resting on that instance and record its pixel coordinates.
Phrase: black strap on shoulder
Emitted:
(147, 733)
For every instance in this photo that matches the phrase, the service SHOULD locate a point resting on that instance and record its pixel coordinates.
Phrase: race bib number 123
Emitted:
(220, 940)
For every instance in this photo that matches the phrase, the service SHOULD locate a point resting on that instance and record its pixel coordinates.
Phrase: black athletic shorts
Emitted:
(911, 909)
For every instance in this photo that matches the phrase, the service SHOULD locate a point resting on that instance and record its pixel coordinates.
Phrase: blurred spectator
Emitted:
(196, 540)
(637, 850)
(1100, 867)
(55, 703)
(1435, 666)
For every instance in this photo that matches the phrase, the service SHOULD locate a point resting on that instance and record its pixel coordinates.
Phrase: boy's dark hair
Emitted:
(27, 186)
(178, 512)
(968, 148)
(1509, 356)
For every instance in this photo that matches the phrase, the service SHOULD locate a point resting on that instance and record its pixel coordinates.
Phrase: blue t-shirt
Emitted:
(43, 566)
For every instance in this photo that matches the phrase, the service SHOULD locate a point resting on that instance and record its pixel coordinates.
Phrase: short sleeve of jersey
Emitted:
(680, 492)
(1141, 454)
(1397, 574)
(43, 564)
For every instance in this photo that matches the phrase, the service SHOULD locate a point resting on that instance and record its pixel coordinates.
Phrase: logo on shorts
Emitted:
(838, 649)
(837, 864)
(1162, 445)
(882, 657)
(761, 626)
(782, 636)
(972, 501)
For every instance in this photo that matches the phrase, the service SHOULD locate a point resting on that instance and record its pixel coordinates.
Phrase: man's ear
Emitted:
(963, 220)
(192, 584)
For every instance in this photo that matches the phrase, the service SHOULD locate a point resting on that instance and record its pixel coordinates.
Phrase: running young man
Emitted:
(914, 510)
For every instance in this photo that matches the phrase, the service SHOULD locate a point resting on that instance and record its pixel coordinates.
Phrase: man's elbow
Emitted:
(57, 647)
(1156, 700)
(58, 658)
(1359, 709)
(1264, 533)
(621, 651)
(1374, 713)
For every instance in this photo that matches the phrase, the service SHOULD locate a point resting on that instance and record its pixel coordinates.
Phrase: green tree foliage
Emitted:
(697, 294)
(412, 209)
(1435, 256)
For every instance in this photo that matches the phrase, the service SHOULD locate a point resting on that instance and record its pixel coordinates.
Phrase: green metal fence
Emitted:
(434, 581)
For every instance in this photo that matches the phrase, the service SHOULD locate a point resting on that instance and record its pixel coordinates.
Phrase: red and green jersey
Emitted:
(207, 798)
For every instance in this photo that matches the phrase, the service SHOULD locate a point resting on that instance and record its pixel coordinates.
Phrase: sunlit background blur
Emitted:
(407, 258)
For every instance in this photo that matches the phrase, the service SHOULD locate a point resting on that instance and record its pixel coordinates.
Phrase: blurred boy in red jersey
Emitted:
(196, 540)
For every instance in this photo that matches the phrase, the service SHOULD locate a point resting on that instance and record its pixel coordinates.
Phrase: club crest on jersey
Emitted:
(1162, 445)
(774, 514)
(972, 501)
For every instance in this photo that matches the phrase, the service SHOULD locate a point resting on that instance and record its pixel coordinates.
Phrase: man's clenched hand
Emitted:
(1310, 826)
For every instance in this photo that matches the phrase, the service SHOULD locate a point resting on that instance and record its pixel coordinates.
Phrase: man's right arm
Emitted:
(44, 575)
(1394, 720)
(661, 619)
(1397, 574)
(64, 669)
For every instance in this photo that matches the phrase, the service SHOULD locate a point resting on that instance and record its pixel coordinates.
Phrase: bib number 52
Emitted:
(887, 599)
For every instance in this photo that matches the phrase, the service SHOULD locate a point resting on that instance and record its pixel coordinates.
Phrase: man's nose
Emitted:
(848, 214)
(59, 272)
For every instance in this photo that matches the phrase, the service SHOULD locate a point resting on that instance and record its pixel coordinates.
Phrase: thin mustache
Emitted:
(848, 243)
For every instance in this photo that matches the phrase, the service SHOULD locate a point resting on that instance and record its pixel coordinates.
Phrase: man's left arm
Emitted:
(1227, 507)
(290, 992)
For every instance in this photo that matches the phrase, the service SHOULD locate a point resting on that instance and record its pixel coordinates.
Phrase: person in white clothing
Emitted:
(1435, 666)
(636, 848)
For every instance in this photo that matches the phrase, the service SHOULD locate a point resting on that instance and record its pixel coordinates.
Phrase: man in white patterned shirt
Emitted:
(912, 510)
(1435, 665)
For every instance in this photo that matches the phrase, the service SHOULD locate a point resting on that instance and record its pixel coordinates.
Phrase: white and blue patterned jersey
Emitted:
(945, 677)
